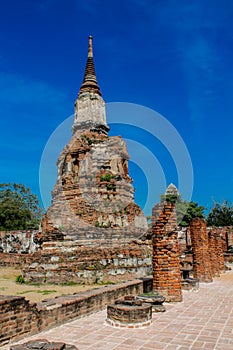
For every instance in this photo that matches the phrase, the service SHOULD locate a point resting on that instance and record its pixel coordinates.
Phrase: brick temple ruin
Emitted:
(93, 197)
(94, 232)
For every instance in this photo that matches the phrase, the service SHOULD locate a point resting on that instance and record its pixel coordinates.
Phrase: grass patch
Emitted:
(106, 282)
(69, 284)
(25, 292)
(46, 292)
(34, 284)
(43, 292)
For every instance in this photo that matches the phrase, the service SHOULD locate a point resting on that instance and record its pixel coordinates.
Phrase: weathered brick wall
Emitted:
(166, 263)
(201, 252)
(19, 317)
(12, 260)
(21, 242)
(64, 262)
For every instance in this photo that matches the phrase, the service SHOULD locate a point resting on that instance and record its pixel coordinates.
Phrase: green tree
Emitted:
(186, 211)
(221, 215)
(19, 208)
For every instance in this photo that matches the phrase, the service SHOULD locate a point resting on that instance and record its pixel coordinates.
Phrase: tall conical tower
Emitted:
(90, 107)
(93, 196)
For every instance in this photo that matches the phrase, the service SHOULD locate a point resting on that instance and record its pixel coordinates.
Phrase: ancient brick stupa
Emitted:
(93, 197)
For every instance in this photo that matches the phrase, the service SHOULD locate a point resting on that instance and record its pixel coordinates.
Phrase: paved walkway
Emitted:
(204, 320)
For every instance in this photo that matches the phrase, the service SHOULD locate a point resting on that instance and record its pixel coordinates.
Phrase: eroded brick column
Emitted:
(200, 248)
(220, 244)
(213, 252)
(166, 264)
(223, 233)
(230, 237)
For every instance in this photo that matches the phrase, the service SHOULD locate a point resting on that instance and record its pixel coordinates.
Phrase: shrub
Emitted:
(19, 279)
(107, 177)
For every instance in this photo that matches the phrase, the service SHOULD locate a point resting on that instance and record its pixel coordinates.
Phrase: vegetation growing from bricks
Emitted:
(107, 177)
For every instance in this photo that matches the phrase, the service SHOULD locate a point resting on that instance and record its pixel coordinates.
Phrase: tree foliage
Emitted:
(221, 215)
(171, 197)
(19, 208)
(186, 211)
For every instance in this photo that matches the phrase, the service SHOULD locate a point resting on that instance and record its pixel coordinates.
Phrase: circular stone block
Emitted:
(130, 316)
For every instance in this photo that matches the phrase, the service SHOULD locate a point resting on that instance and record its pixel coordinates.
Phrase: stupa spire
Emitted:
(90, 48)
(89, 113)
(90, 83)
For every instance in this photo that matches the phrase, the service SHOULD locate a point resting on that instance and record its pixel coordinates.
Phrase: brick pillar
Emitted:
(230, 236)
(223, 233)
(213, 252)
(200, 249)
(220, 250)
(166, 263)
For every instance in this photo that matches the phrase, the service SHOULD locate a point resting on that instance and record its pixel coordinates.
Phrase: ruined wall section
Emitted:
(20, 318)
(61, 262)
(20, 242)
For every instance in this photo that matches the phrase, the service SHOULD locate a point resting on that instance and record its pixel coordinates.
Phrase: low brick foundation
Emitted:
(65, 262)
(20, 317)
(13, 260)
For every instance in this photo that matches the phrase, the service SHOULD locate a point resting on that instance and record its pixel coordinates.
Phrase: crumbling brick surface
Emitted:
(18, 316)
(166, 263)
(61, 262)
(213, 251)
(221, 247)
(43, 344)
(20, 242)
(13, 260)
(202, 268)
(229, 239)
(94, 191)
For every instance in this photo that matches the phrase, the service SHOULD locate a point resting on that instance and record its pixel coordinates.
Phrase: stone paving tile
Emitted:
(203, 320)
(152, 345)
(121, 347)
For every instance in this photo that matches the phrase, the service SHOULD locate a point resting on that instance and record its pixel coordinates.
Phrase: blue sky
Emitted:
(174, 57)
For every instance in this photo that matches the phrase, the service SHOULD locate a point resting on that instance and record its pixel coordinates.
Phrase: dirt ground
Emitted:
(34, 293)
